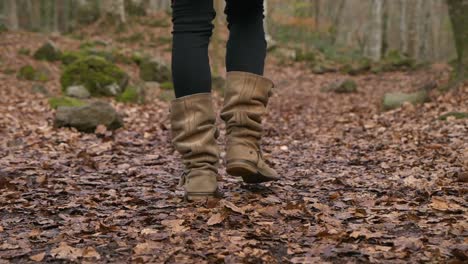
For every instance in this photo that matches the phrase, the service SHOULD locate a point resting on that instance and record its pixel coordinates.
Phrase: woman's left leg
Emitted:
(247, 92)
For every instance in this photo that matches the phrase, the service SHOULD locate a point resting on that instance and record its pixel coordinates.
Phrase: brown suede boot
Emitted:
(245, 102)
(194, 137)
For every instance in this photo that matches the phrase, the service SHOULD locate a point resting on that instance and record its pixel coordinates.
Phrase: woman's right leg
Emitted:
(192, 30)
(192, 114)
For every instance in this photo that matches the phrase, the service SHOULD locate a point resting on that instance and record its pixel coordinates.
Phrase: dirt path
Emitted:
(359, 185)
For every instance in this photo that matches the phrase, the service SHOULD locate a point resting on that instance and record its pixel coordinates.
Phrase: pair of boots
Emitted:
(194, 134)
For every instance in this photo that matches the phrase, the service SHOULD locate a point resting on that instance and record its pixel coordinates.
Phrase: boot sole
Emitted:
(248, 172)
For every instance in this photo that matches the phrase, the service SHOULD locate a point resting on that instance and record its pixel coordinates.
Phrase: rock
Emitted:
(454, 115)
(77, 91)
(286, 53)
(112, 89)
(154, 70)
(133, 94)
(49, 52)
(395, 100)
(323, 68)
(87, 118)
(343, 86)
(99, 76)
(56, 102)
(41, 89)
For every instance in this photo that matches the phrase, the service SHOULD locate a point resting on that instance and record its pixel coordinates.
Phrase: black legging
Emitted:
(192, 29)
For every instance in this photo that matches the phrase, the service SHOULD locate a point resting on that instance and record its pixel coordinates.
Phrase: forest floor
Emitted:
(358, 184)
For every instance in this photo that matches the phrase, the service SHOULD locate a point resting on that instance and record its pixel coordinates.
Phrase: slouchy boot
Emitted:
(194, 137)
(245, 102)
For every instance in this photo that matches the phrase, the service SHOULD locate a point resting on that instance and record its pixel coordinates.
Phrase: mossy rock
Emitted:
(395, 100)
(132, 94)
(357, 68)
(154, 70)
(344, 86)
(96, 74)
(456, 115)
(29, 73)
(48, 52)
(56, 102)
(68, 57)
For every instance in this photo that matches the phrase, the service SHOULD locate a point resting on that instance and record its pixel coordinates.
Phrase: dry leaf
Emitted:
(440, 204)
(232, 206)
(147, 248)
(175, 225)
(65, 251)
(39, 257)
(215, 219)
(90, 252)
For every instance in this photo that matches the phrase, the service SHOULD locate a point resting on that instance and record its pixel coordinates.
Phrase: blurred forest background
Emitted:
(368, 126)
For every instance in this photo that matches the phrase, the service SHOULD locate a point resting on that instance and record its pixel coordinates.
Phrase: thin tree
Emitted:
(458, 15)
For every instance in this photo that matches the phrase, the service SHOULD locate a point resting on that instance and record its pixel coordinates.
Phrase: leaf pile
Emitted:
(359, 184)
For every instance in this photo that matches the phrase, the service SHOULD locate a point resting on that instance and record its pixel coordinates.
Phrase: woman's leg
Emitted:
(192, 20)
(246, 47)
(247, 92)
(192, 114)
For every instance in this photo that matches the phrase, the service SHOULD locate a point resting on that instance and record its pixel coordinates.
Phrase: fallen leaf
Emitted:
(90, 252)
(65, 251)
(175, 225)
(215, 219)
(232, 206)
(439, 204)
(38, 257)
(147, 248)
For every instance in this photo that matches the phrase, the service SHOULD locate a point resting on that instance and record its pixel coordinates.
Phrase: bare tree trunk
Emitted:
(458, 15)
(115, 8)
(375, 38)
(12, 14)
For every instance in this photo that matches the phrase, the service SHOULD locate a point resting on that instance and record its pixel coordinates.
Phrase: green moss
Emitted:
(132, 94)
(27, 73)
(456, 115)
(136, 37)
(24, 51)
(56, 102)
(94, 73)
(9, 71)
(68, 57)
(167, 86)
(3, 28)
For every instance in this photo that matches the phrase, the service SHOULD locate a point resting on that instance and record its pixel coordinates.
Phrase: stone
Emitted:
(49, 52)
(397, 99)
(87, 118)
(29, 73)
(77, 91)
(343, 86)
(112, 89)
(40, 89)
(154, 70)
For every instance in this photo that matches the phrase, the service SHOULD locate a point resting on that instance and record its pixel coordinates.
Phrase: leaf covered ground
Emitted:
(359, 185)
